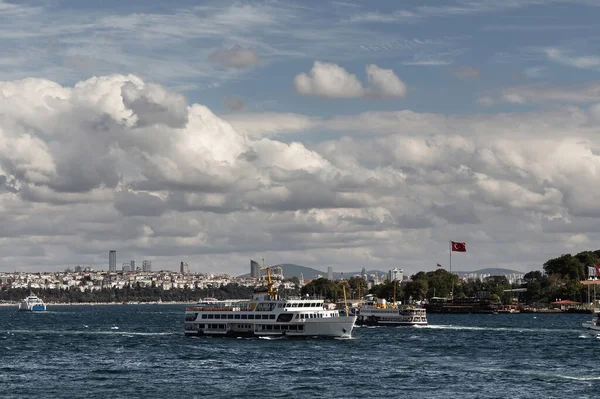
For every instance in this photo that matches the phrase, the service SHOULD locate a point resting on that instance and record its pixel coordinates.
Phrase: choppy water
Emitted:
(139, 351)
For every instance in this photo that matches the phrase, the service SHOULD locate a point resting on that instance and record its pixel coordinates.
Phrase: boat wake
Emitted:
(498, 329)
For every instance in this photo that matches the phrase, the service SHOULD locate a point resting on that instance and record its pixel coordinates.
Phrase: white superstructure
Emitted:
(32, 304)
(267, 315)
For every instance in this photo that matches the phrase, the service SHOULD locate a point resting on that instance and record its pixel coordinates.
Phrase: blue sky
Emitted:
(412, 121)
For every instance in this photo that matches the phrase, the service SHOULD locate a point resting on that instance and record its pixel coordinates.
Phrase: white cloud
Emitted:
(539, 93)
(582, 62)
(332, 81)
(118, 162)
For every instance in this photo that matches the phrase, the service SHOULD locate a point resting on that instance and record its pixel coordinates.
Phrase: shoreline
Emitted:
(103, 303)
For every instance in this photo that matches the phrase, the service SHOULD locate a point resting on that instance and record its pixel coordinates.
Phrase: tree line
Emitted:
(135, 293)
(560, 278)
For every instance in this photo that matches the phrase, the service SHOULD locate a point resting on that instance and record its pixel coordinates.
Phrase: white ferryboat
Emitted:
(373, 312)
(32, 304)
(593, 324)
(266, 315)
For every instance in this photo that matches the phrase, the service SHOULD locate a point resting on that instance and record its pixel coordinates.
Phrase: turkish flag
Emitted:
(459, 246)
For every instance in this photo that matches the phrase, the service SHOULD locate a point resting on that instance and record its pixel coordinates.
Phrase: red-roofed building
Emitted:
(565, 304)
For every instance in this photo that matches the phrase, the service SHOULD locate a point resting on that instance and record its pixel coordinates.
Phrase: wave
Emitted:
(87, 332)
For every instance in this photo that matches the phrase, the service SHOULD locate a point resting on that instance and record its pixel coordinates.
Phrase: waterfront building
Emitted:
(396, 274)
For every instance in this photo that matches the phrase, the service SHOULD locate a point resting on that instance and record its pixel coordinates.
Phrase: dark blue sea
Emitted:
(139, 351)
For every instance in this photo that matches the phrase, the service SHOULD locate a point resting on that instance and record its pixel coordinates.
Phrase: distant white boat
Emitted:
(593, 324)
(32, 304)
(376, 312)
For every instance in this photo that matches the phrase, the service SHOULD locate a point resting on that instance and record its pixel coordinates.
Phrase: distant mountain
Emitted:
(292, 270)
(490, 271)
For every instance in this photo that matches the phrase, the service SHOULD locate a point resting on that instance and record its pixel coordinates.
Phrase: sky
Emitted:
(343, 134)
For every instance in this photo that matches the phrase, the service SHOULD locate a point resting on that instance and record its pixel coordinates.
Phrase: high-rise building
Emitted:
(184, 268)
(112, 260)
(126, 267)
(254, 269)
(330, 273)
(132, 265)
(147, 266)
(396, 274)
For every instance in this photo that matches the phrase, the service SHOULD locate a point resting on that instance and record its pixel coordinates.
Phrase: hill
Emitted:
(292, 270)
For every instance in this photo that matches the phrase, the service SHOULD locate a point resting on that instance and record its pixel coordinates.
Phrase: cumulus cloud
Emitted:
(236, 57)
(117, 162)
(329, 80)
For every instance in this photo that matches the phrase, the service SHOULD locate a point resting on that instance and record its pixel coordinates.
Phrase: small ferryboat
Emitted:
(377, 312)
(266, 315)
(32, 304)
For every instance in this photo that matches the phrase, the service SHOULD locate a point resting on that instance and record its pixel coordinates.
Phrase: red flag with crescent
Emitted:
(459, 246)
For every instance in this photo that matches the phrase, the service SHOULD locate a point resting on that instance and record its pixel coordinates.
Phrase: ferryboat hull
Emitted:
(340, 328)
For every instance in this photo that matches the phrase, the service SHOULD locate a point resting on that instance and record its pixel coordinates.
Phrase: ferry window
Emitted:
(230, 316)
(300, 328)
(221, 325)
(251, 316)
(204, 316)
(244, 316)
(217, 316)
(293, 328)
(277, 327)
(272, 316)
(284, 317)
(294, 305)
(237, 316)
(269, 327)
(210, 316)
(266, 316)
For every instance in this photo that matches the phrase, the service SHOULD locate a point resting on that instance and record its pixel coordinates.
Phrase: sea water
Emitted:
(139, 351)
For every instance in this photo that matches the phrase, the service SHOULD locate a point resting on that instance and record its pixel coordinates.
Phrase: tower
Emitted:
(184, 268)
(147, 266)
(254, 269)
(112, 260)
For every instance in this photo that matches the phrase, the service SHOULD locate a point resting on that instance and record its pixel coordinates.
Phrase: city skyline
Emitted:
(325, 134)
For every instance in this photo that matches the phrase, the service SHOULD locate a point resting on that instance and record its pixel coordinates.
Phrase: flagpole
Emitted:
(450, 252)
(450, 256)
